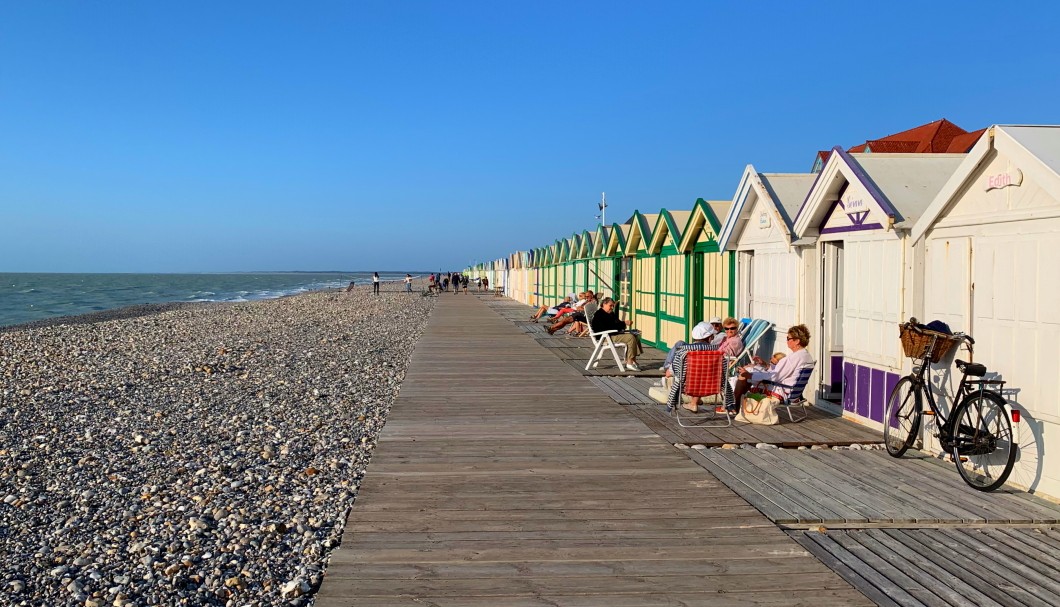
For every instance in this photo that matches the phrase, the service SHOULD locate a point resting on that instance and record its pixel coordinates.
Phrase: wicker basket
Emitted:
(916, 343)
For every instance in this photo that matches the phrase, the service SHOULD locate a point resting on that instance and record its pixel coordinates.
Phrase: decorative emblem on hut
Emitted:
(856, 210)
(1004, 180)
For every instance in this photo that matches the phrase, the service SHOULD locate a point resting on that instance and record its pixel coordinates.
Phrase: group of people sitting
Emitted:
(781, 371)
(584, 313)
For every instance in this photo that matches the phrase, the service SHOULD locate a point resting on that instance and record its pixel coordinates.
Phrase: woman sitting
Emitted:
(786, 371)
(606, 319)
(545, 310)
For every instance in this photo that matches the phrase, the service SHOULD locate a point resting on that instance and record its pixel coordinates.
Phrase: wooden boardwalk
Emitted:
(504, 477)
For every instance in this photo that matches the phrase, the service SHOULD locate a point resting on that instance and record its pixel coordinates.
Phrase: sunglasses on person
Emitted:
(730, 328)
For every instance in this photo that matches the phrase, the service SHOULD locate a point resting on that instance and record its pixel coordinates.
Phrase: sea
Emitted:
(26, 297)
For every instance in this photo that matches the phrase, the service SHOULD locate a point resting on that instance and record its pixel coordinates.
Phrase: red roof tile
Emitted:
(961, 144)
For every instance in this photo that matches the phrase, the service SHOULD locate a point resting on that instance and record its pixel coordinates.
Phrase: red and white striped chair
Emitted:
(704, 374)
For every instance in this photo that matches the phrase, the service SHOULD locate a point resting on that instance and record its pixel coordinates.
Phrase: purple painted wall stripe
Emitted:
(849, 386)
(861, 398)
(879, 396)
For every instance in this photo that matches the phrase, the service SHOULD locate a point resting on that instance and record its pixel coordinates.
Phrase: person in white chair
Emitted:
(606, 319)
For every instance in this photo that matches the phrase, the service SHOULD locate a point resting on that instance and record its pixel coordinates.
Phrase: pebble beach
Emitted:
(194, 455)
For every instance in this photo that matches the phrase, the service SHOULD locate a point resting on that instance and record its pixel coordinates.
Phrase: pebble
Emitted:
(197, 455)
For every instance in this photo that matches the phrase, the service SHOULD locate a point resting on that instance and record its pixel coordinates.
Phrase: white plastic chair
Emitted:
(601, 344)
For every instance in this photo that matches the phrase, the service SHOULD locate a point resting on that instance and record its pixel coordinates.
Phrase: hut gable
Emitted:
(668, 229)
(866, 192)
(763, 207)
(1012, 173)
(585, 249)
(600, 241)
(616, 241)
(704, 224)
(640, 232)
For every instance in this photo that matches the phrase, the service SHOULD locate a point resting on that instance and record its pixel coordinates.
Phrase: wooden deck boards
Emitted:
(503, 477)
(866, 489)
(945, 567)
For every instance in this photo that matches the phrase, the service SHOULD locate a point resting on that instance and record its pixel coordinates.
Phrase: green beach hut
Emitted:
(711, 275)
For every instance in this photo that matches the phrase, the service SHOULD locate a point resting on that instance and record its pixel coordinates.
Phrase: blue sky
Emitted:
(217, 136)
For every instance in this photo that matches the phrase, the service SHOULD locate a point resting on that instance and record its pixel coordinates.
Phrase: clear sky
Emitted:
(216, 136)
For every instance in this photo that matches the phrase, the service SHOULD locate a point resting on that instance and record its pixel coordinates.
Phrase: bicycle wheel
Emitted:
(984, 447)
(901, 420)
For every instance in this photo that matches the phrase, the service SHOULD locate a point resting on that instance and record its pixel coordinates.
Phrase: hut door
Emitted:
(745, 277)
(695, 294)
(831, 328)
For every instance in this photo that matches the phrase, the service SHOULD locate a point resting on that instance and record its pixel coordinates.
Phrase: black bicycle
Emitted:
(978, 432)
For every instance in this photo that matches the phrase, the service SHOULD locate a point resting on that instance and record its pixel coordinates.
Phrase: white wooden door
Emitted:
(832, 296)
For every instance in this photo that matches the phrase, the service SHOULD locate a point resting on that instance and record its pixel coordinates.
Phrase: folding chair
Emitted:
(795, 392)
(752, 334)
(704, 375)
(602, 343)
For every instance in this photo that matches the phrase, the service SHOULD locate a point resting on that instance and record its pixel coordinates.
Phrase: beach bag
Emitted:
(759, 409)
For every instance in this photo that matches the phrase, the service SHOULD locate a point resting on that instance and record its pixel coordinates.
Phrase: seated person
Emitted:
(786, 371)
(574, 314)
(554, 309)
(731, 343)
(700, 341)
(606, 319)
(712, 326)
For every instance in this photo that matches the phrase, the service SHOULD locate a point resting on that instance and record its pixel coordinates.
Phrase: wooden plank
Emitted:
(1029, 573)
(834, 556)
(946, 588)
(970, 572)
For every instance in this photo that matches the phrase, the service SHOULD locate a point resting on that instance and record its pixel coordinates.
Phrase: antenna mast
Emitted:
(603, 208)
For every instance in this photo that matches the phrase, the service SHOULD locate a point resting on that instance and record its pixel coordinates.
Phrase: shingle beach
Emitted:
(202, 455)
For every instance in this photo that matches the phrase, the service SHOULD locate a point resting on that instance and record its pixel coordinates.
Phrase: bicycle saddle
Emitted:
(974, 369)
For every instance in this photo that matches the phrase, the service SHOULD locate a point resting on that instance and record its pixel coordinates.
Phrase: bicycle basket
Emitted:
(916, 343)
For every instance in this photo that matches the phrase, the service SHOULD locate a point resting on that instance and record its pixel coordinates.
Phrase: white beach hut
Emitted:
(992, 240)
(858, 215)
(770, 268)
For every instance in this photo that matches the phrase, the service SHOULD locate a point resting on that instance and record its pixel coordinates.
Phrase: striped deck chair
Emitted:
(752, 334)
(700, 373)
(795, 392)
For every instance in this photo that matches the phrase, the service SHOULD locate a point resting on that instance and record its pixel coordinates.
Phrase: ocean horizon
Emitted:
(33, 296)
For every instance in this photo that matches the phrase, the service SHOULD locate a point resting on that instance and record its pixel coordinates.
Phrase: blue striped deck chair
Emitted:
(796, 390)
(751, 336)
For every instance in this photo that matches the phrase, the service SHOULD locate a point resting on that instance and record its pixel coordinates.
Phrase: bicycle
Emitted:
(978, 432)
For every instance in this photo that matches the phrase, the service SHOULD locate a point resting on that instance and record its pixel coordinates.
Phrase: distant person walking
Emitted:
(464, 282)
(375, 283)
(408, 283)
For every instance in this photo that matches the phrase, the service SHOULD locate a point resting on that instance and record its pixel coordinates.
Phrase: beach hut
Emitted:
(622, 285)
(644, 292)
(991, 239)
(758, 233)
(858, 215)
(600, 269)
(671, 278)
(709, 269)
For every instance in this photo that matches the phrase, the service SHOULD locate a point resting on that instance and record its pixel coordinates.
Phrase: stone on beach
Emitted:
(202, 455)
